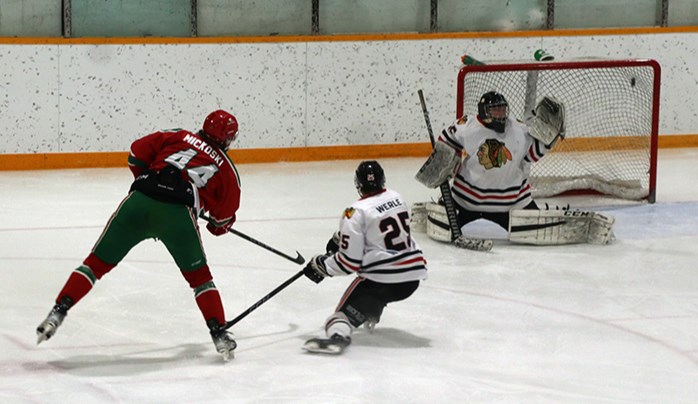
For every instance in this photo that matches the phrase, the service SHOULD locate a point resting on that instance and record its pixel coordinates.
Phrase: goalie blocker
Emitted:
(537, 227)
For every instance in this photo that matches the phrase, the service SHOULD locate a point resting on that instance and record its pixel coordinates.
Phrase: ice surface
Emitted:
(569, 324)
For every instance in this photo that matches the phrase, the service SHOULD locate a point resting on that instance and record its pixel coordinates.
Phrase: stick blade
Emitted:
(474, 244)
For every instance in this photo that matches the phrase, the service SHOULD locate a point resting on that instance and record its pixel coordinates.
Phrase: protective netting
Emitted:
(609, 113)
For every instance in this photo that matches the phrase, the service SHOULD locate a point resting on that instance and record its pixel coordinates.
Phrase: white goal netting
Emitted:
(611, 121)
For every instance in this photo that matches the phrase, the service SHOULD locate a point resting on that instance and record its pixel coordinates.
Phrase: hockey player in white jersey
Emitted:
(373, 243)
(493, 157)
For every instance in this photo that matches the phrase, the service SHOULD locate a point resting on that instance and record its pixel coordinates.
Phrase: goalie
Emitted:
(491, 179)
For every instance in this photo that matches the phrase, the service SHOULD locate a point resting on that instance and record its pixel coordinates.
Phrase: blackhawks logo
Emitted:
(493, 153)
(349, 212)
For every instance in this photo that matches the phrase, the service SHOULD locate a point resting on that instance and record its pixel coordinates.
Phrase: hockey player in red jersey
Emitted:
(374, 243)
(178, 174)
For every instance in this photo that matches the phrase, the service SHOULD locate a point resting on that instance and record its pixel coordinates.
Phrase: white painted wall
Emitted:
(72, 98)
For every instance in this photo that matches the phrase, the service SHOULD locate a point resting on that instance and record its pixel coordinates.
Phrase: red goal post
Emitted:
(612, 121)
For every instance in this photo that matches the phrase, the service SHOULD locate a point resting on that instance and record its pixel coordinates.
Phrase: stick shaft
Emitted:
(298, 259)
(263, 300)
(445, 188)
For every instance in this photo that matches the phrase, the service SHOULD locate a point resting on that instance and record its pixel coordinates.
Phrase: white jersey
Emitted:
(375, 241)
(496, 166)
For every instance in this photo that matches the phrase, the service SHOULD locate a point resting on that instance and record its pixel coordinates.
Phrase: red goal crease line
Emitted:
(47, 161)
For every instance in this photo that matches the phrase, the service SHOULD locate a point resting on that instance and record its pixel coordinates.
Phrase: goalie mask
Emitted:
(220, 128)
(369, 178)
(493, 110)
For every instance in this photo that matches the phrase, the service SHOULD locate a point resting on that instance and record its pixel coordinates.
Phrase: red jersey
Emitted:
(204, 165)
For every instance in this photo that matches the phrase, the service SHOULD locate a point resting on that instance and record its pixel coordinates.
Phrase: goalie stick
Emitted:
(298, 259)
(445, 188)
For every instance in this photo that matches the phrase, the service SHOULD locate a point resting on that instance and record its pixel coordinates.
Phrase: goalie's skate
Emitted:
(55, 318)
(222, 339)
(332, 346)
(476, 244)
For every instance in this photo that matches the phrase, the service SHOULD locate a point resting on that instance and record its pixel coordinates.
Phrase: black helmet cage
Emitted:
(488, 101)
(369, 178)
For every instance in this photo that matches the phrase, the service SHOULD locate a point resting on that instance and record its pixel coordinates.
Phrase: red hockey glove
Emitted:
(219, 230)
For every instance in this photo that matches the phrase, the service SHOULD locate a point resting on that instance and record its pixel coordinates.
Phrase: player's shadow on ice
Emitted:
(146, 360)
(134, 362)
(389, 338)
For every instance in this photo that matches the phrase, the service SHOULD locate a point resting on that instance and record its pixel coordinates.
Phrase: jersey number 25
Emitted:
(392, 228)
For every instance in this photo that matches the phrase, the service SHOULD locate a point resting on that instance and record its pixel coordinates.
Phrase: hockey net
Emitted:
(612, 120)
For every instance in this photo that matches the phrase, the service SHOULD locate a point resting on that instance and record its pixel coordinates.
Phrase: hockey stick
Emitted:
(298, 259)
(445, 187)
(262, 300)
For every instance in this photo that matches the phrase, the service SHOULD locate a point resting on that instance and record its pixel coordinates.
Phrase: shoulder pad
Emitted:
(463, 119)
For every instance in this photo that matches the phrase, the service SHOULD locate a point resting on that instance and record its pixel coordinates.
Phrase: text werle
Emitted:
(389, 205)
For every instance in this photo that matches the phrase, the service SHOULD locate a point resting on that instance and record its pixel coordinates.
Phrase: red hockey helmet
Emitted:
(221, 128)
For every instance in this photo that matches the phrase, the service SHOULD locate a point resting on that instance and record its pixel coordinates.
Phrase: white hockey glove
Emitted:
(315, 269)
(548, 120)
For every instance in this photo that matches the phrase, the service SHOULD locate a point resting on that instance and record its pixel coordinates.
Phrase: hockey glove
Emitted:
(315, 270)
(333, 244)
(221, 229)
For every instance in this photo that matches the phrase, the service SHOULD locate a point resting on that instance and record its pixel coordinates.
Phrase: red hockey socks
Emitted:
(207, 297)
(83, 278)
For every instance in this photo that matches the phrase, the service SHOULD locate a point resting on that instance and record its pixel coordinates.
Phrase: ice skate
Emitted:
(222, 339)
(334, 345)
(55, 318)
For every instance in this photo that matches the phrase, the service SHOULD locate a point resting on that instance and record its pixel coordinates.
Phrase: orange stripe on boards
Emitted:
(678, 141)
(47, 161)
(624, 143)
(323, 153)
(412, 36)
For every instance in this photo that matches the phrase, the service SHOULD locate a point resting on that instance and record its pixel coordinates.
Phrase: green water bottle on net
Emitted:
(469, 60)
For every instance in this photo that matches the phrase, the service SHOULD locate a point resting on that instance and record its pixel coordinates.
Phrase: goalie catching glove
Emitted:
(315, 269)
(548, 120)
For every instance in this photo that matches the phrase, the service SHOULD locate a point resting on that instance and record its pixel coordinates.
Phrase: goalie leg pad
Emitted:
(437, 226)
(438, 229)
(418, 222)
(558, 227)
(601, 230)
(439, 167)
